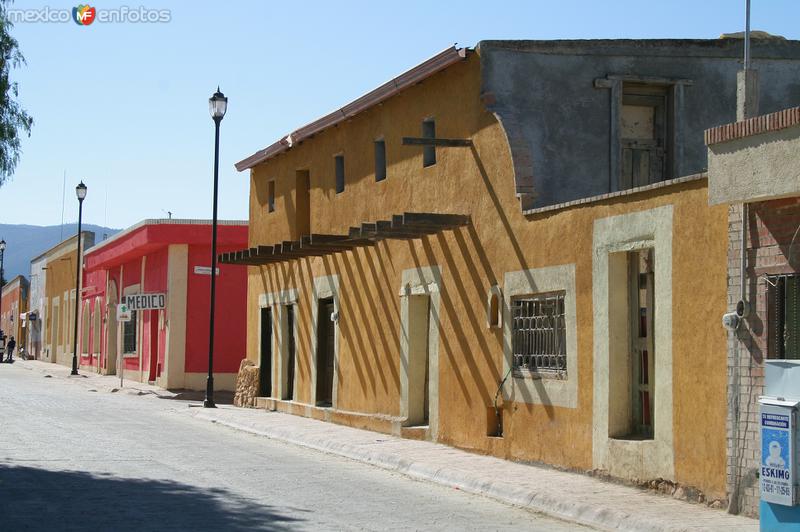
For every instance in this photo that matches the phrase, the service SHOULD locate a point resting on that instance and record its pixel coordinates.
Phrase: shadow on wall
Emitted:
(38, 499)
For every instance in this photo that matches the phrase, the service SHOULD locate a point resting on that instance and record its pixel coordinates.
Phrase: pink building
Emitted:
(166, 342)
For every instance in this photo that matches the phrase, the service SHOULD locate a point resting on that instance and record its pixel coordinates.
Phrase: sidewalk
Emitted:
(569, 496)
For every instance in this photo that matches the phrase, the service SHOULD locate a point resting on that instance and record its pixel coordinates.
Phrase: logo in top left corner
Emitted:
(83, 15)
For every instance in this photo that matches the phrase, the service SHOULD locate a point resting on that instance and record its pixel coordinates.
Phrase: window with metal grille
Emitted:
(129, 335)
(783, 310)
(539, 333)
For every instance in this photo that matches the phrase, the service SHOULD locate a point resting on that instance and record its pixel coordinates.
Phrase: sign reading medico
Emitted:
(777, 455)
(145, 301)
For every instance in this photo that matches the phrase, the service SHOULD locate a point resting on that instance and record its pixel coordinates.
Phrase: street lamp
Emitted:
(2, 253)
(217, 106)
(80, 191)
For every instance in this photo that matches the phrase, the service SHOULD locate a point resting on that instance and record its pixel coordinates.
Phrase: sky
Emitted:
(124, 106)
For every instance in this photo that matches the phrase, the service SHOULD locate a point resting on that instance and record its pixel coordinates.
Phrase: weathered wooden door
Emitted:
(289, 394)
(265, 371)
(326, 344)
(643, 140)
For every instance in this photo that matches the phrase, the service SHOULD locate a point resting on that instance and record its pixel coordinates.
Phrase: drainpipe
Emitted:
(746, 107)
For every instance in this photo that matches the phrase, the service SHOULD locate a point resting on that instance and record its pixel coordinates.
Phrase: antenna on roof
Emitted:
(169, 213)
(747, 36)
(747, 78)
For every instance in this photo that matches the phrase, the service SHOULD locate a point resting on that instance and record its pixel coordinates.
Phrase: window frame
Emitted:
(542, 388)
(541, 335)
(339, 173)
(133, 322)
(271, 196)
(428, 152)
(777, 297)
(380, 160)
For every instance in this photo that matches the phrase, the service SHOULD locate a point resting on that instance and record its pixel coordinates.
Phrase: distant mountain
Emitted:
(24, 242)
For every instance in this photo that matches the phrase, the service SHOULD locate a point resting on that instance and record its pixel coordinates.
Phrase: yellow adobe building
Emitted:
(508, 250)
(59, 299)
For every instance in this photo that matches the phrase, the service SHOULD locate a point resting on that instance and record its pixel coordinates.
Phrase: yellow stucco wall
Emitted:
(479, 181)
(61, 271)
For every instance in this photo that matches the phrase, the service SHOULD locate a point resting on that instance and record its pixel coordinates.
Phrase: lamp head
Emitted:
(80, 191)
(217, 105)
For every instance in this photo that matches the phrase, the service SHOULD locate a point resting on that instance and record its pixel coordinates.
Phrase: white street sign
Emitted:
(204, 270)
(146, 301)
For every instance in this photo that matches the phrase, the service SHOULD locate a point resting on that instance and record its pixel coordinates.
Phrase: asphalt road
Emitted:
(76, 459)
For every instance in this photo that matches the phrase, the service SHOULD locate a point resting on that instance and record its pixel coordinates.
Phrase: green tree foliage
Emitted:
(13, 118)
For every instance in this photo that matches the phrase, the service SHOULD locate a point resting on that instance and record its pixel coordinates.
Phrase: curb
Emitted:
(595, 516)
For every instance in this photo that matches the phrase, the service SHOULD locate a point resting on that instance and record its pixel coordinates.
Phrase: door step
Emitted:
(417, 432)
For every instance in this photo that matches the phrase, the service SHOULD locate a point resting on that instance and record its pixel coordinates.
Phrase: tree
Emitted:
(13, 118)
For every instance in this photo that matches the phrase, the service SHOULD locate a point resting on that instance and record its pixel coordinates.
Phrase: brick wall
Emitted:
(771, 228)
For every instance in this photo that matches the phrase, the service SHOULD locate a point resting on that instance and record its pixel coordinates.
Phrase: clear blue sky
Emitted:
(124, 106)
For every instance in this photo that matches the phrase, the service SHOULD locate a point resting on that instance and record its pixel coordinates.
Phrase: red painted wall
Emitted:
(152, 242)
(230, 330)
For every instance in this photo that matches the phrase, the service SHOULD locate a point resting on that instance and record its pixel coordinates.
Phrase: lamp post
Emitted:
(217, 105)
(80, 191)
(2, 253)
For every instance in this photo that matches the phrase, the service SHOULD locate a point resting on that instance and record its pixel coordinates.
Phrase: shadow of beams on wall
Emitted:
(33, 498)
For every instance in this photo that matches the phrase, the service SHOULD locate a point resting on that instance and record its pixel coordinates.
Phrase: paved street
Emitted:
(76, 459)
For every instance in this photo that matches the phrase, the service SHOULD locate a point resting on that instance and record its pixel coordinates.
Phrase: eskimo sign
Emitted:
(777, 454)
(146, 301)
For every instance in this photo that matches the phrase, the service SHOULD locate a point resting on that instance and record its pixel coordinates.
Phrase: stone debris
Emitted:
(246, 384)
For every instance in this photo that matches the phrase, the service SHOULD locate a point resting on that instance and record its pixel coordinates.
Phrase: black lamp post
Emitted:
(217, 105)
(2, 253)
(80, 191)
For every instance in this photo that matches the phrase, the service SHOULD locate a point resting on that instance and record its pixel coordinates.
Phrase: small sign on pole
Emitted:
(204, 270)
(123, 312)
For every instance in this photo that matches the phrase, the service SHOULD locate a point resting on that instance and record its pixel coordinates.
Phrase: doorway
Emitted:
(290, 354)
(265, 372)
(326, 344)
(111, 330)
(153, 346)
(418, 360)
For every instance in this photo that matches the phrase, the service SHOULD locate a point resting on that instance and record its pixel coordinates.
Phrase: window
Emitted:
(271, 196)
(339, 164)
(645, 128)
(85, 325)
(97, 325)
(642, 306)
(783, 321)
(539, 334)
(380, 160)
(428, 152)
(129, 334)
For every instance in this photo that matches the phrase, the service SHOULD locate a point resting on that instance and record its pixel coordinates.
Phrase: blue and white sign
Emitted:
(777, 453)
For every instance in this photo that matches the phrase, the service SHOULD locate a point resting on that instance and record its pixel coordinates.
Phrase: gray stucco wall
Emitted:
(559, 123)
(755, 168)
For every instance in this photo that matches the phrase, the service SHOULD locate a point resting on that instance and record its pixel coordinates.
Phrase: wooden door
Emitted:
(326, 345)
(289, 394)
(265, 371)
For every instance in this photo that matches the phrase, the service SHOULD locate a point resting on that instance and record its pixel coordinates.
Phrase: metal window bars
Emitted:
(539, 334)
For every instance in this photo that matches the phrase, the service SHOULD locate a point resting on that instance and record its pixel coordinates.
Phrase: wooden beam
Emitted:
(434, 219)
(445, 143)
(322, 239)
(387, 230)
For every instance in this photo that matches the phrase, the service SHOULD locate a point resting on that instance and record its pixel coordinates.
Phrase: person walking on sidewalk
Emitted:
(10, 347)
